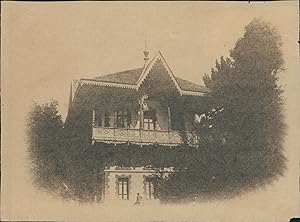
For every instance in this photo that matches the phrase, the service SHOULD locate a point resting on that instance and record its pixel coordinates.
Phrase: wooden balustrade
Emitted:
(137, 136)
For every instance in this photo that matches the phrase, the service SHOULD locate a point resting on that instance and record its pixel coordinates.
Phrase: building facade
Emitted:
(143, 106)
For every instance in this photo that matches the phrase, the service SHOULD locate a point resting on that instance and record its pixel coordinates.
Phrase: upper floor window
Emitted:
(102, 118)
(150, 119)
(123, 118)
(98, 118)
(107, 119)
(120, 118)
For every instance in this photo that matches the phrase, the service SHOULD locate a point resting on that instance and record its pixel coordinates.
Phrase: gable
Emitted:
(149, 67)
(158, 81)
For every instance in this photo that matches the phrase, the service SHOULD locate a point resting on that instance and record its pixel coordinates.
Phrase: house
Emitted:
(147, 105)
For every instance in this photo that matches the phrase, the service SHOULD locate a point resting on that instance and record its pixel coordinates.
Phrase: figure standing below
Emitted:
(139, 199)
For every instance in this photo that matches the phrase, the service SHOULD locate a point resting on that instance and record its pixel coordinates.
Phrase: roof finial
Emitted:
(146, 52)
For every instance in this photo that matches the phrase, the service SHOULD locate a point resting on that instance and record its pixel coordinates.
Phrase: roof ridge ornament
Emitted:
(146, 52)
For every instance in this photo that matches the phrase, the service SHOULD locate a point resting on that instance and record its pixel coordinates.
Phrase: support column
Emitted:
(141, 114)
(93, 121)
(169, 118)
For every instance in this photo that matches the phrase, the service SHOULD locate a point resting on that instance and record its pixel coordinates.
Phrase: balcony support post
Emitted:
(93, 121)
(169, 123)
(169, 118)
(141, 114)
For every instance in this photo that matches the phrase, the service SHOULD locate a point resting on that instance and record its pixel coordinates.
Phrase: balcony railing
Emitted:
(136, 136)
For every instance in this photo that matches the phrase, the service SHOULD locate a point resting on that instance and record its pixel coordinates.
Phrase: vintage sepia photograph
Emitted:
(150, 111)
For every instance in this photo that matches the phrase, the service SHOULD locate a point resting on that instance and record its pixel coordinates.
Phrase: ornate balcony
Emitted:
(136, 136)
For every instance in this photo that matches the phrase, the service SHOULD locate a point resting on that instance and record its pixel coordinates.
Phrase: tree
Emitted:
(248, 107)
(45, 134)
(242, 132)
(61, 161)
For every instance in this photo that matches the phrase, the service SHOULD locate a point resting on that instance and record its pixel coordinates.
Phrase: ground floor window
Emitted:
(149, 183)
(123, 193)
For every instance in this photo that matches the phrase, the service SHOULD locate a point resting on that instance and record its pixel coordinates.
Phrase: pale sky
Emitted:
(54, 43)
(47, 45)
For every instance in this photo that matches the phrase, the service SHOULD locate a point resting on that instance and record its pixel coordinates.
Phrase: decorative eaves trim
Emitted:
(74, 87)
(192, 93)
(109, 84)
(74, 91)
(128, 86)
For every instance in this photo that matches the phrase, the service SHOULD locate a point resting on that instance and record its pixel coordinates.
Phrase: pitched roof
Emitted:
(189, 86)
(132, 76)
(125, 77)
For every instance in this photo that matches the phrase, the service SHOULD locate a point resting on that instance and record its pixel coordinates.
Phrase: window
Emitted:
(127, 118)
(150, 187)
(98, 118)
(123, 118)
(150, 119)
(106, 119)
(119, 118)
(123, 188)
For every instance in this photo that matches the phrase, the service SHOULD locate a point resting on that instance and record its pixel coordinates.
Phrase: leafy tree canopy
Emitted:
(242, 133)
(45, 129)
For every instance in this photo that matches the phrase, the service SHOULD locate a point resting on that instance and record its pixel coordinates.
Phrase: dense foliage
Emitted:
(242, 133)
(45, 129)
